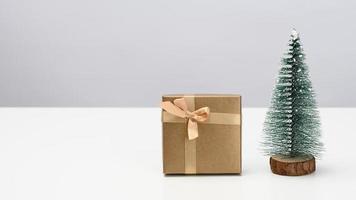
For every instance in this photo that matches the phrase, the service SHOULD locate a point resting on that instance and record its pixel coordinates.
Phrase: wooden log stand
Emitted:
(292, 166)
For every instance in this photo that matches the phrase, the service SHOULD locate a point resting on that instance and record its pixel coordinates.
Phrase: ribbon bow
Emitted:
(179, 108)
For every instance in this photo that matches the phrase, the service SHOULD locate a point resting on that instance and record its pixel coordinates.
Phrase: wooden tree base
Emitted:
(292, 166)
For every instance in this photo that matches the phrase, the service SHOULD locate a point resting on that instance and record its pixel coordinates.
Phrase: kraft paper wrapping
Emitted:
(217, 150)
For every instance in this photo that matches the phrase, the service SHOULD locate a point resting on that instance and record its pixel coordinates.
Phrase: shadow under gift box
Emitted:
(217, 150)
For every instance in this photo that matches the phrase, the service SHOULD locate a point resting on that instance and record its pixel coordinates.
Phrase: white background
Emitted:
(115, 52)
(115, 153)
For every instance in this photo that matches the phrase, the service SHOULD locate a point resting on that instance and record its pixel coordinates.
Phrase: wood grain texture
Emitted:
(292, 166)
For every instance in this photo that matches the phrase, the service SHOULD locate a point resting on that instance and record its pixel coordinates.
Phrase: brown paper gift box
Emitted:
(217, 150)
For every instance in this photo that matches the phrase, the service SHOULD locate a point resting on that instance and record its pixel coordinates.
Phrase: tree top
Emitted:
(295, 34)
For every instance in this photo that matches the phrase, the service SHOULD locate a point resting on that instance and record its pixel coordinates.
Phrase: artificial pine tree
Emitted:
(292, 126)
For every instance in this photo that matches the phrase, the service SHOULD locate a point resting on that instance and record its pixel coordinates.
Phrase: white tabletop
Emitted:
(115, 153)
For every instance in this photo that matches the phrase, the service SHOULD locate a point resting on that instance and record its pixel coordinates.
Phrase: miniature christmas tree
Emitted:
(292, 126)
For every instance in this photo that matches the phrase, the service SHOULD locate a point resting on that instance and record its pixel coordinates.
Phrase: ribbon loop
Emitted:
(179, 108)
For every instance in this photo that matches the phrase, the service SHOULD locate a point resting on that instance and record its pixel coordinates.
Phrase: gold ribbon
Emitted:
(179, 108)
(183, 109)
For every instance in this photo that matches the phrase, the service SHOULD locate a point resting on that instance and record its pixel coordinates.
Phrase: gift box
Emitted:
(201, 134)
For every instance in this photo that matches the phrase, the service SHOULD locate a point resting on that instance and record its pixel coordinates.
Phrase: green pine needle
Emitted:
(292, 125)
